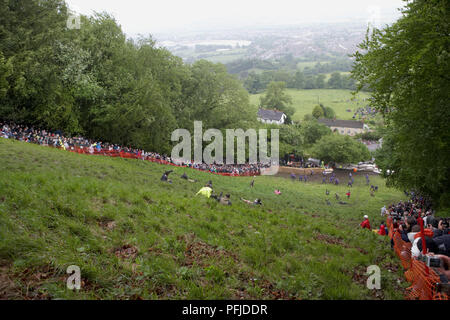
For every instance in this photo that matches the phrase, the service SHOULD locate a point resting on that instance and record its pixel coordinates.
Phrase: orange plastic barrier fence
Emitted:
(127, 155)
(423, 279)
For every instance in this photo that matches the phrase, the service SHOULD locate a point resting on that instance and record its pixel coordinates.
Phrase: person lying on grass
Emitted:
(205, 191)
(277, 192)
(256, 202)
(184, 176)
(165, 176)
(223, 200)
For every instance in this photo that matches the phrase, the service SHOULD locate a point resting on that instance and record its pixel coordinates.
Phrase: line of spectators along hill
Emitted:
(405, 219)
(58, 140)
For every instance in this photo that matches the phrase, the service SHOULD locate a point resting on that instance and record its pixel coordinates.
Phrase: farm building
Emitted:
(347, 127)
(271, 116)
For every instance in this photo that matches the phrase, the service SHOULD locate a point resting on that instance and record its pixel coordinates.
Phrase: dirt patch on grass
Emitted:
(107, 224)
(360, 276)
(336, 241)
(148, 200)
(97, 204)
(126, 251)
(331, 240)
(273, 293)
(27, 284)
(198, 252)
(268, 289)
(8, 289)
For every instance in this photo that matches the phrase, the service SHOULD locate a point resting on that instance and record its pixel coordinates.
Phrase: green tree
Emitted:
(310, 82)
(328, 112)
(340, 149)
(253, 83)
(291, 140)
(320, 81)
(298, 81)
(407, 67)
(318, 112)
(312, 131)
(335, 81)
(277, 98)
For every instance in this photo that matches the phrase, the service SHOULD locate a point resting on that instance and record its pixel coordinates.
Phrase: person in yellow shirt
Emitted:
(205, 191)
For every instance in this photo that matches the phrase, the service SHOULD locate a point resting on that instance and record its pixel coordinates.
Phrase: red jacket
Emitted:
(365, 224)
(382, 230)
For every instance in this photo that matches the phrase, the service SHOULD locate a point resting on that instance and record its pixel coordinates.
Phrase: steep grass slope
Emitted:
(134, 236)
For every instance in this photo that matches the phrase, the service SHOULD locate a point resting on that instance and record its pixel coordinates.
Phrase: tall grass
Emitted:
(59, 209)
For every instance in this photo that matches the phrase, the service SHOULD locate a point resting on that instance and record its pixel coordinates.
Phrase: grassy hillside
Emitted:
(304, 101)
(134, 236)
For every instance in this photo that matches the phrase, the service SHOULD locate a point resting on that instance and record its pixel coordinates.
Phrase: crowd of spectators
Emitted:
(57, 139)
(364, 112)
(406, 216)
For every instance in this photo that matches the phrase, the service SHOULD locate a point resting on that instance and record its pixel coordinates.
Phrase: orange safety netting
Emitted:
(127, 155)
(423, 279)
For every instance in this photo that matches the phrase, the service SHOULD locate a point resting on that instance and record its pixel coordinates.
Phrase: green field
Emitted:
(310, 64)
(134, 236)
(213, 56)
(304, 101)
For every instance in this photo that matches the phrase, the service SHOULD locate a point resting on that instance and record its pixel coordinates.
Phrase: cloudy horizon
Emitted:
(139, 17)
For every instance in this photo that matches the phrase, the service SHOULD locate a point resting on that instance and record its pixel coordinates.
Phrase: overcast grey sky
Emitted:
(140, 16)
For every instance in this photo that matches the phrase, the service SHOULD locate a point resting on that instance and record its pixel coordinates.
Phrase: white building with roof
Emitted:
(271, 116)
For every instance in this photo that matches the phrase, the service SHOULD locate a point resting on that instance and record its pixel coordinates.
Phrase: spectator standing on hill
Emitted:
(442, 228)
(406, 228)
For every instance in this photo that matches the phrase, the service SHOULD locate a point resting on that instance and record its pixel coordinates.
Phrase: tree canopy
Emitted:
(407, 67)
(277, 98)
(340, 149)
(96, 82)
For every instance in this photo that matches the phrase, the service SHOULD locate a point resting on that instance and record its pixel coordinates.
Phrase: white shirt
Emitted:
(415, 252)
